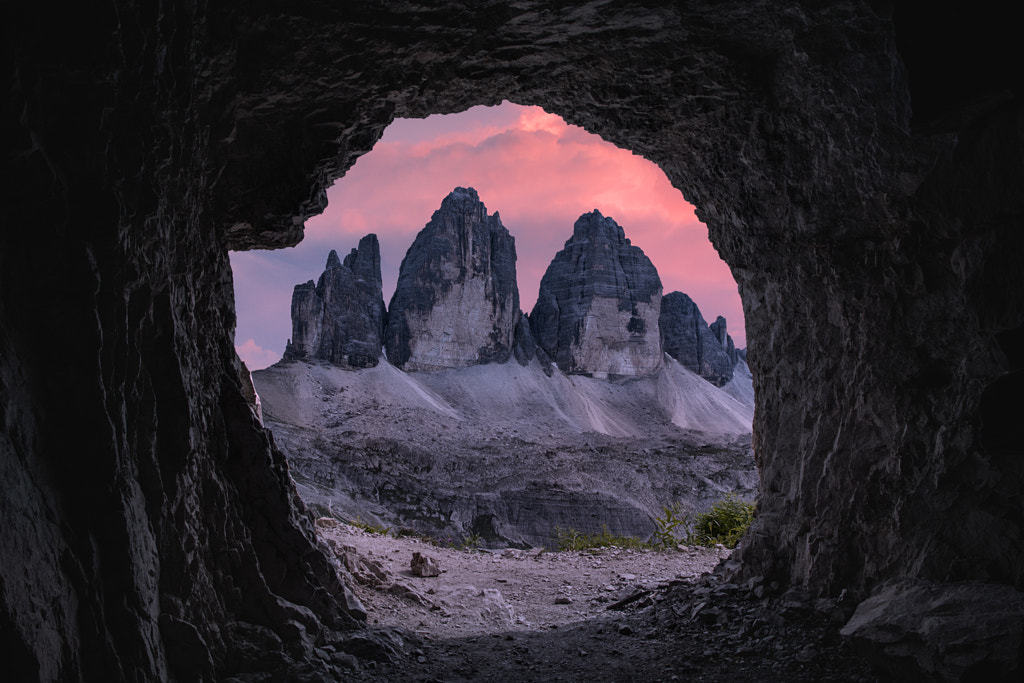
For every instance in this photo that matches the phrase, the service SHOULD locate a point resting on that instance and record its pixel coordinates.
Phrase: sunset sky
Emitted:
(537, 171)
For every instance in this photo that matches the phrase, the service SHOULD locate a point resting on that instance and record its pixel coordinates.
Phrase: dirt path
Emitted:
(608, 615)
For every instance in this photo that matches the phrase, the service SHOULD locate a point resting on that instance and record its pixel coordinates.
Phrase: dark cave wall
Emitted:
(150, 524)
(150, 528)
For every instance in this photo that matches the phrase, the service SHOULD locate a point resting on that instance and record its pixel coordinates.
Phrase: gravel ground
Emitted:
(608, 615)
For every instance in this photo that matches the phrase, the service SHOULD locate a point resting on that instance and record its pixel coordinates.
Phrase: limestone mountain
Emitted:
(457, 301)
(691, 341)
(719, 329)
(599, 302)
(341, 318)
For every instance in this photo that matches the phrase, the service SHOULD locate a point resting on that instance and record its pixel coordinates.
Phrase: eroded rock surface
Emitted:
(599, 301)
(507, 452)
(457, 301)
(341, 318)
(687, 338)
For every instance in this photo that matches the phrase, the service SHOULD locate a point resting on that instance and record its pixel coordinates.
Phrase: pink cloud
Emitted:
(538, 172)
(255, 356)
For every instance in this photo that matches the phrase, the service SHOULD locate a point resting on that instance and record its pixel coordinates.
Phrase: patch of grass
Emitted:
(469, 542)
(378, 529)
(724, 523)
(571, 539)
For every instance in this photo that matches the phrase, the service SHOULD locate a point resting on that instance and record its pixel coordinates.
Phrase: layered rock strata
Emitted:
(341, 318)
(687, 338)
(599, 301)
(457, 301)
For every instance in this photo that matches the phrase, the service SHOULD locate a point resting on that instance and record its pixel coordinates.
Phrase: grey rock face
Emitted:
(720, 330)
(599, 301)
(341, 318)
(950, 631)
(457, 302)
(687, 338)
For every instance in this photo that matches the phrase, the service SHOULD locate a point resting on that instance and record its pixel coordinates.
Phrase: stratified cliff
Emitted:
(457, 302)
(687, 338)
(599, 301)
(341, 318)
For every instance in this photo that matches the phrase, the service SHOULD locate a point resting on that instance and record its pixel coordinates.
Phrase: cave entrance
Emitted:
(609, 454)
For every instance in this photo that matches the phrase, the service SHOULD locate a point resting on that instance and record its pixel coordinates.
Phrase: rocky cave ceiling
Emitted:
(150, 527)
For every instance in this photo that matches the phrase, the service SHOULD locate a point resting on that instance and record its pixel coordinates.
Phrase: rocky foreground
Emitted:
(609, 614)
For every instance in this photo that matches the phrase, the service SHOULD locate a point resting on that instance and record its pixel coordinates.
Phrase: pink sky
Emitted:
(537, 171)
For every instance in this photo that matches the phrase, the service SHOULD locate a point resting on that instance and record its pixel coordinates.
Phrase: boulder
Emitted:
(457, 301)
(599, 301)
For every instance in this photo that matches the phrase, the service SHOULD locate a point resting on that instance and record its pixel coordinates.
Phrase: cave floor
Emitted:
(608, 615)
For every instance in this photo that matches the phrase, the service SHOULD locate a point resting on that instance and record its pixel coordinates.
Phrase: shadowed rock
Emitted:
(598, 305)
(341, 318)
(719, 329)
(687, 338)
(457, 302)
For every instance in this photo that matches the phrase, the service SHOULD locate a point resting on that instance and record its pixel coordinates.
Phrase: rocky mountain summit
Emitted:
(599, 302)
(457, 300)
(341, 318)
(599, 311)
(687, 338)
(720, 330)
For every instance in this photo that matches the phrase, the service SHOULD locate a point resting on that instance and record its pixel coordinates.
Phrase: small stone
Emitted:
(424, 566)
(563, 600)
(625, 630)
(808, 654)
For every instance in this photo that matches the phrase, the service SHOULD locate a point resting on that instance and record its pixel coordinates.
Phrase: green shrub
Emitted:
(667, 526)
(724, 523)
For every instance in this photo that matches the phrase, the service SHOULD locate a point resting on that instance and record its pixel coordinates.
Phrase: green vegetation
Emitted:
(378, 529)
(724, 523)
(570, 539)
(666, 526)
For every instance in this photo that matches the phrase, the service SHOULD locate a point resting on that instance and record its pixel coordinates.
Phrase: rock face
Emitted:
(953, 632)
(863, 182)
(457, 301)
(718, 328)
(599, 301)
(687, 338)
(341, 318)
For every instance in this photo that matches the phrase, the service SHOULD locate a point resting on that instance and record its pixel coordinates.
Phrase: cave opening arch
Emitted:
(774, 161)
(876, 262)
